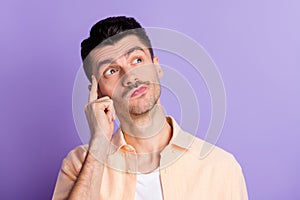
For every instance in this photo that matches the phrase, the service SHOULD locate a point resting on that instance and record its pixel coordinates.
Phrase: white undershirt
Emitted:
(148, 186)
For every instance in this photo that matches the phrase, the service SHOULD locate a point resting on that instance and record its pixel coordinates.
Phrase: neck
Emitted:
(147, 133)
(154, 144)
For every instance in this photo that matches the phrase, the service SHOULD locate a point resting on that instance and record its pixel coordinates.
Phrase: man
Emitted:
(150, 156)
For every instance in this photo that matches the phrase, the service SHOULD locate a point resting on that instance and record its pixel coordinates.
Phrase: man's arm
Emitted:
(239, 189)
(87, 184)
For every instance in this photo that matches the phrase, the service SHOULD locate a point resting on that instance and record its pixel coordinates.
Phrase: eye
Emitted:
(110, 71)
(137, 60)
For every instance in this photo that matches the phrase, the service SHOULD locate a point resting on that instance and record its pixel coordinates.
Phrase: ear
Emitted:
(158, 67)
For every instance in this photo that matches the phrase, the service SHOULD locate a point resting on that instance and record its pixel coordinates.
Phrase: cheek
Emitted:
(108, 88)
(153, 74)
(105, 90)
(154, 78)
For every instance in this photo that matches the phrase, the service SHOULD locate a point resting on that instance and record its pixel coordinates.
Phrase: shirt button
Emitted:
(127, 148)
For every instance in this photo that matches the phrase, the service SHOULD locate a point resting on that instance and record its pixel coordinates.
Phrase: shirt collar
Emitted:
(179, 138)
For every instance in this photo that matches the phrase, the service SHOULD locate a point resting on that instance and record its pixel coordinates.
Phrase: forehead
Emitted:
(116, 50)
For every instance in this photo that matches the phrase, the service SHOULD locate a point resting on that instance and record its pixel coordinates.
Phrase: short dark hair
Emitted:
(119, 27)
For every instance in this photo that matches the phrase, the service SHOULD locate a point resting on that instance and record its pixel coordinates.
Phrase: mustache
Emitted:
(135, 85)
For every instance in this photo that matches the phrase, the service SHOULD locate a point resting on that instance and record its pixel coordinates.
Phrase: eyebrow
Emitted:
(107, 61)
(127, 54)
(136, 48)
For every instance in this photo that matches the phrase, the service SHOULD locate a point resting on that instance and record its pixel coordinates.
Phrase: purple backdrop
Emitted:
(255, 44)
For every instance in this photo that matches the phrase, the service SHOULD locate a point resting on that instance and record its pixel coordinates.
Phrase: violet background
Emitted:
(255, 45)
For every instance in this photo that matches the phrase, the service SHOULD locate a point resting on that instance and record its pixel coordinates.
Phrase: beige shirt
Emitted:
(183, 174)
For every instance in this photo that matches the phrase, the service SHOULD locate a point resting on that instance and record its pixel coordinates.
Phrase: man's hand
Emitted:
(100, 113)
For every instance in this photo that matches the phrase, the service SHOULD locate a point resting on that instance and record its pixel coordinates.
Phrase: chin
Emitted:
(137, 110)
(143, 105)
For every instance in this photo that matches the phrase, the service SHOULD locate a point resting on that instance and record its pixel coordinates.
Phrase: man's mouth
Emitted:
(141, 90)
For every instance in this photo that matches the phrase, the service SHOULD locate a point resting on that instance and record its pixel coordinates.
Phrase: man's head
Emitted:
(109, 31)
(119, 54)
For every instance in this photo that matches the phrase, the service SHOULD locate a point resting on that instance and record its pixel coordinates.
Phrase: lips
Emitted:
(139, 91)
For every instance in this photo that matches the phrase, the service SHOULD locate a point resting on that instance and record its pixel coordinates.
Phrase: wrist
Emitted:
(99, 147)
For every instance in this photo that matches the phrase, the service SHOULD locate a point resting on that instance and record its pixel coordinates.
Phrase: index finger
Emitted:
(93, 92)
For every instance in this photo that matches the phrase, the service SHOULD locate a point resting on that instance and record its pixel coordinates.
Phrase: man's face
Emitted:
(127, 74)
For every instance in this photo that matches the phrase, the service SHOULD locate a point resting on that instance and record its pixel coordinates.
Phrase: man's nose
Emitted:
(130, 77)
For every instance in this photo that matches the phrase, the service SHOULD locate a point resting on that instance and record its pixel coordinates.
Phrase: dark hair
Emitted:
(102, 31)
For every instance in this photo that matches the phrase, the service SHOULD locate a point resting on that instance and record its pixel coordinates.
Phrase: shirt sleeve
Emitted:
(239, 189)
(68, 173)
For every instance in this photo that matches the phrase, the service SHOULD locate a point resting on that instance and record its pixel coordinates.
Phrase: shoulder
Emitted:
(198, 150)
(211, 167)
(74, 159)
(205, 153)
